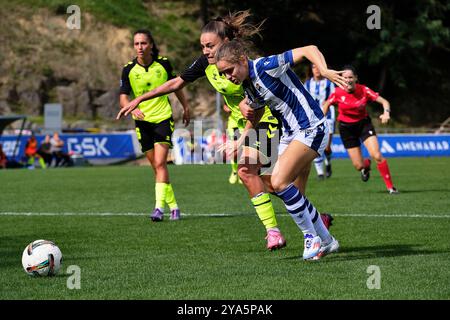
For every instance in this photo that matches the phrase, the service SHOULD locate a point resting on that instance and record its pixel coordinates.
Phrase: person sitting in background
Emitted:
(61, 158)
(31, 153)
(3, 158)
(45, 150)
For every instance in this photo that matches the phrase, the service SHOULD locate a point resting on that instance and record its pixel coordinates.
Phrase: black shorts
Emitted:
(353, 133)
(150, 133)
(264, 138)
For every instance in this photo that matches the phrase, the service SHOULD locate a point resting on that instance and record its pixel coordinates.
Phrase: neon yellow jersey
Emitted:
(137, 80)
(232, 93)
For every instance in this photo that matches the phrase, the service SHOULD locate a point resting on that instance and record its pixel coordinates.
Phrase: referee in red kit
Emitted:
(355, 125)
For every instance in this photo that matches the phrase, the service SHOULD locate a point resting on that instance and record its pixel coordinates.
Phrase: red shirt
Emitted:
(352, 106)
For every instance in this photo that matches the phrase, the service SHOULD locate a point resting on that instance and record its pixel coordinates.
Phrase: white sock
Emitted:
(318, 164)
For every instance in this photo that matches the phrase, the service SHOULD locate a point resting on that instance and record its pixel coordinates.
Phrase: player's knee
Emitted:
(378, 157)
(159, 165)
(245, 172)
(278, 184)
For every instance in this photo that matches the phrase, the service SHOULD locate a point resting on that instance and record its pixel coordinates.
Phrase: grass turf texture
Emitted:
(224, 257)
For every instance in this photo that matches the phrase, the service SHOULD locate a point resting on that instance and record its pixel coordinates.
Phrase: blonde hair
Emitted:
(232, 51)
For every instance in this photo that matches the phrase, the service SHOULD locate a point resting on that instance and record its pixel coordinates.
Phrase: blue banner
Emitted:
(403, 145)
(97, 148)
(115, 147)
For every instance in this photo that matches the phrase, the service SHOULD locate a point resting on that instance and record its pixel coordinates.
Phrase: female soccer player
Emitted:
(213, 35)
(320, 89)
(153, 119)
(355, 125)
(270, 81)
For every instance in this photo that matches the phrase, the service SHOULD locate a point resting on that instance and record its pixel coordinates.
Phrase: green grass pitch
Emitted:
(98, 216)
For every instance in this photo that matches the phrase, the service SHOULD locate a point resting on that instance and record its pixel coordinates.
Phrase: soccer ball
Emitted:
(41, 258)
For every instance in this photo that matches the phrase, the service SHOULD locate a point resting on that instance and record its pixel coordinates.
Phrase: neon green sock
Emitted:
(42, 163)
(170, 198)
(234, 166)
(264, 209)
(160, 195)
(30, 161)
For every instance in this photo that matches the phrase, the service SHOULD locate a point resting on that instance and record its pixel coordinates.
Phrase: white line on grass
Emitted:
(100, 214)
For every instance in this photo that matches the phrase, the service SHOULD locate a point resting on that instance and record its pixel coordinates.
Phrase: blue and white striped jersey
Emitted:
(273, 83)
(320, 91)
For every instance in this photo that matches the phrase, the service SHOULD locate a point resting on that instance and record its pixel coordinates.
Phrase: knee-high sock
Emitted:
(264, 210)
(170, 197)
(42, 163)
(296, 206)
(234, 166)
(160, 195)
(318, 164)
(385, 173)
(321, 230)
(327, 159)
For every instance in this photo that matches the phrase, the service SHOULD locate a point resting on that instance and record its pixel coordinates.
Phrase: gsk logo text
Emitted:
(88, 146)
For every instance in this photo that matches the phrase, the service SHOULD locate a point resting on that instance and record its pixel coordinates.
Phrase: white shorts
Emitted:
(316, 138)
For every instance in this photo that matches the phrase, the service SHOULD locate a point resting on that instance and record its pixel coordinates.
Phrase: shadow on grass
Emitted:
(370, 252)
(406, 191)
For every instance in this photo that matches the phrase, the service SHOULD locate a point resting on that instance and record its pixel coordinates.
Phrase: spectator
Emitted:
(31, 153)
(45, 150)
(61, 158)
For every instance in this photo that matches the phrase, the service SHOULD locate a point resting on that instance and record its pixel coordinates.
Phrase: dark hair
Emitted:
(233, 26)
(351, 68)
(155, 50)
(231, 51)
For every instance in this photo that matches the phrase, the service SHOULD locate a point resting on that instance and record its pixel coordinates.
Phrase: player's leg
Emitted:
(327, 153)
(373, 147)
(163, 142)
(294, 159)
(233, 134)
(250, 165)
(318, 164)
(350, 136)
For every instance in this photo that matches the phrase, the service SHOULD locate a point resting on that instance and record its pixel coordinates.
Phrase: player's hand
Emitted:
(230, 148)
(186, 117)
(128, 108)
(246, 110)
(138, 114)
(226, 109)
(336, 77)
(385, 117)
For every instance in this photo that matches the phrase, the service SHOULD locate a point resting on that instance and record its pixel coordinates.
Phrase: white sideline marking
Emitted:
(100, 214)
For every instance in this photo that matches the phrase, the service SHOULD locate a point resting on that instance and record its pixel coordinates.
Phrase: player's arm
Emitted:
(313, 54)
(326, 107)
(166, 88)
(182, 98)
(332, 100)
(386, 107)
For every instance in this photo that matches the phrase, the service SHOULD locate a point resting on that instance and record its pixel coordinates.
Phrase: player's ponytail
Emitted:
(233, 26)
